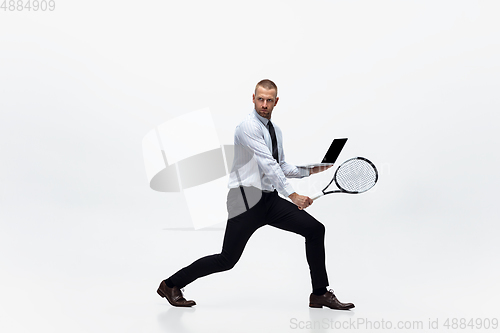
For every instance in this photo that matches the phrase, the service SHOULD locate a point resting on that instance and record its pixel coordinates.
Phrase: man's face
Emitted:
(264, 101)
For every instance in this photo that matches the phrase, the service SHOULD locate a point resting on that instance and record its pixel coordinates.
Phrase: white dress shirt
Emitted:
(254, 164)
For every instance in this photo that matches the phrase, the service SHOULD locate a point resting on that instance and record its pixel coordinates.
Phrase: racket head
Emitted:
(356, 175)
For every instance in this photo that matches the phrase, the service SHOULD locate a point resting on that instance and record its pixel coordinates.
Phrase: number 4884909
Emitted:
(28, 5)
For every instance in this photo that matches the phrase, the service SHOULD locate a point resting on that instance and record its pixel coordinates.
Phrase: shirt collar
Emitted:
(262, 119)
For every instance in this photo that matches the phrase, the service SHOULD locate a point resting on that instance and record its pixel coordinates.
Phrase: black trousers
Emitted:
(269, 209)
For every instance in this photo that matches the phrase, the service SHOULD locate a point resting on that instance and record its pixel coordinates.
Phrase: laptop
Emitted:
(330, 156)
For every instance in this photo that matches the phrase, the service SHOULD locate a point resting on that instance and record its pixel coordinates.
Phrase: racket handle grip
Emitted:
(317, 195)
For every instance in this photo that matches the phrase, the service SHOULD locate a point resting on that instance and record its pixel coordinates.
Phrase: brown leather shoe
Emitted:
(173, 295)
(328, 299)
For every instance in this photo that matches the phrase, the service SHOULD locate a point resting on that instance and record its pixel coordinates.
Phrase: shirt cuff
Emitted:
(304, 172)
(287, 191)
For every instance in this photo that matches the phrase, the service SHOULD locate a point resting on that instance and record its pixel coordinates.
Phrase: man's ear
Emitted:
(276, 101)
(253, 97)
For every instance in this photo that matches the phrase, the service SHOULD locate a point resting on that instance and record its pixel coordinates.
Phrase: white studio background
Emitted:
(412, 84)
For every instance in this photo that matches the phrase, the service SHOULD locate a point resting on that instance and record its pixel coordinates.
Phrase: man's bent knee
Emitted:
(317, 230)
(226, 263)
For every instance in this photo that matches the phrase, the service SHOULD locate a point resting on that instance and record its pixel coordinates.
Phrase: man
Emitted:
(258, 174)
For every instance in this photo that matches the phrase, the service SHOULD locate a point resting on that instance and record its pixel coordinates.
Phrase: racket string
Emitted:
(356, 175)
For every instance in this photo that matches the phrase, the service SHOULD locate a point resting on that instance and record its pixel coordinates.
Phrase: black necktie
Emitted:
(274, 141)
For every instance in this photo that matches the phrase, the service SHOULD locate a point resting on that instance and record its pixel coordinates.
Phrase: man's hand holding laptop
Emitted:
(318, 169)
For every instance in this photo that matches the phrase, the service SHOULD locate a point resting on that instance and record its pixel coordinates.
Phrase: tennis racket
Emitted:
(356, 175)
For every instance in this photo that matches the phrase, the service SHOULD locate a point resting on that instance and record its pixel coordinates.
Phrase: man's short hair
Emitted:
(267, 84)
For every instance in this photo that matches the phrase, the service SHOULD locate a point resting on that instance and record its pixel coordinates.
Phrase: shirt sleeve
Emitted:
(291, 171)
(250, 135)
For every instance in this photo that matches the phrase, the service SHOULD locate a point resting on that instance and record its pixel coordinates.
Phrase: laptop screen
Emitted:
(334, 150)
